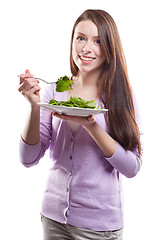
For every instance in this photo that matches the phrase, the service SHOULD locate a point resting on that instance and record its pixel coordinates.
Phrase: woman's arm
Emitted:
(30, 89)
(31, 131)
(125, 161)
(105, 142)
(35, 136)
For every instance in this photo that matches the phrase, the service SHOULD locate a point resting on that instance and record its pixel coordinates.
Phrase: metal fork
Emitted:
(42, 80)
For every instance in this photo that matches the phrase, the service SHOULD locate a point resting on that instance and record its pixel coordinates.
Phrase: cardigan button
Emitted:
(70, 157)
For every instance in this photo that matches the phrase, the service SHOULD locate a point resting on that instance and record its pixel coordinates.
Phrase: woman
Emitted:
(83, 196)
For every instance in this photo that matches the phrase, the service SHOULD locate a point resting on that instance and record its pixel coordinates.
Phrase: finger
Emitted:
(31, 91)
(22, 86)
(59, 115)
(92, 118)
(75, 119)
(31, 80)
(27, 84)
(52, 113)
(22, 77)
(34, 89)
(27, 74)
(27, 71)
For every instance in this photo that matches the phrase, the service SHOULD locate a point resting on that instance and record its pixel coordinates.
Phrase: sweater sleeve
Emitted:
(31, 154)
(128, 162)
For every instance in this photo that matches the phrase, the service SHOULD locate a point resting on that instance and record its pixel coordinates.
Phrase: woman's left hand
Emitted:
(83, 121)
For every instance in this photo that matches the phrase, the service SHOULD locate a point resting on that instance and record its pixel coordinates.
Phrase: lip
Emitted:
(86, 59)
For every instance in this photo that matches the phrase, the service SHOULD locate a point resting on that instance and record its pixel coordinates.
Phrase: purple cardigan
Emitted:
(83, 187)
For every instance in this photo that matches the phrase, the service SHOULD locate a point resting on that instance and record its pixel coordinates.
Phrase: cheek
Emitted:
(76, 47)
(75, 52)
(99, 53)
(74, 55)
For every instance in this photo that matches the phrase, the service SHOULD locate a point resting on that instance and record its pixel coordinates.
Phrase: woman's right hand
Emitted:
(29, 87)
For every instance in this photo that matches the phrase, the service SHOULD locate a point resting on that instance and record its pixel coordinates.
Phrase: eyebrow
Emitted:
(85, 35)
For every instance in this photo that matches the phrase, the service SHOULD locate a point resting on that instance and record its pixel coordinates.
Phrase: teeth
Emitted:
(86, 59)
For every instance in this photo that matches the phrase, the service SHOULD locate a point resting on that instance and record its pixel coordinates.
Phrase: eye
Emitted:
(80, 38)
(97, 41)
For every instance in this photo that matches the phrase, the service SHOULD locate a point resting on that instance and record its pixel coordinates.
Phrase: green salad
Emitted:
(64, 84)
(75, 102)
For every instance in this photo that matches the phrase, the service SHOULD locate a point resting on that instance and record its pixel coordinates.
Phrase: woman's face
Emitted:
(86, 50)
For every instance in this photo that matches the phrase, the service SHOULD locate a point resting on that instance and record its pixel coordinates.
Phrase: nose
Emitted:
(87, 47)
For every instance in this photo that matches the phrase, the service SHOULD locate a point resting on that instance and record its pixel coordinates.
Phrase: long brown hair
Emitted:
(113, 84)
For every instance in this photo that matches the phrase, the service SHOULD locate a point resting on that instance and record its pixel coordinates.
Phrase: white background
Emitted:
(36, 35)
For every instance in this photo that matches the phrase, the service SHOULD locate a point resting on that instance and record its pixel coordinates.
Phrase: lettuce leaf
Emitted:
(75, 102)
(64, 84)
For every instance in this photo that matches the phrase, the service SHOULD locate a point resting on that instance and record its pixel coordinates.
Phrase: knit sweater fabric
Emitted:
(84, 188)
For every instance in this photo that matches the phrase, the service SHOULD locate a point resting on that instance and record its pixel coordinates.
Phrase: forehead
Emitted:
(87, 27)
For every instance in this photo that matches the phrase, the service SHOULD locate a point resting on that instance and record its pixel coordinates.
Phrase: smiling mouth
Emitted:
(86, 58)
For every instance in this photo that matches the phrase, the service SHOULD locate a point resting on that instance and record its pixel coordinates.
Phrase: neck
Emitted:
(85, 86)
(88, 79)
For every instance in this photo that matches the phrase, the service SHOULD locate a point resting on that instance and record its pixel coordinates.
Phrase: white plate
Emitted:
(73, 111)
